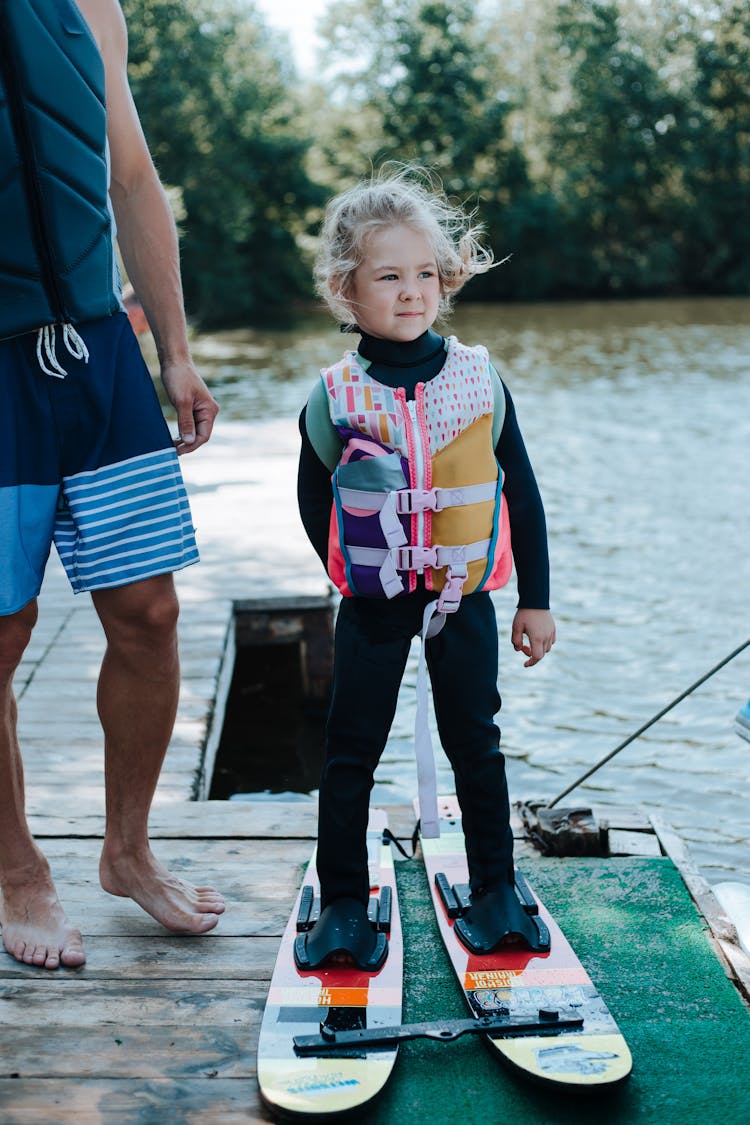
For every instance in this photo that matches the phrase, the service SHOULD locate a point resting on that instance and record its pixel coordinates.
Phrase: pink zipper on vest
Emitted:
(420, 469)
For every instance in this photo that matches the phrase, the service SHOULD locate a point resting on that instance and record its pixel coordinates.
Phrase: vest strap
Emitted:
(417, 558)
(411, 500)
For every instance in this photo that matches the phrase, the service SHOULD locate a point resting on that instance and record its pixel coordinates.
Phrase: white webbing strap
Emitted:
(390, 524)
(410, 500)
(426, 775)
(417, 558)
(389, 577)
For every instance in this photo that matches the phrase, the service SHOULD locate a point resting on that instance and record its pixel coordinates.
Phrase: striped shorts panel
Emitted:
(87, 462)
(125, 522)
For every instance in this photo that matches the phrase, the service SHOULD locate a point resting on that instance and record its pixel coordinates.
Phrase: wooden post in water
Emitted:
(306, 622)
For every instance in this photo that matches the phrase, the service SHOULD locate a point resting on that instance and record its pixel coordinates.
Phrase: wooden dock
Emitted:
(159, 1029)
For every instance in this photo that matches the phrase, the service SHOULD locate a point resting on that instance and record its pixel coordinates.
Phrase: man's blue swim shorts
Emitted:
(86, 461)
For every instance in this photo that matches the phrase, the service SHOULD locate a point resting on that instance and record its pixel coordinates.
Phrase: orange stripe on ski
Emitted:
(527, 978)
(333, 997)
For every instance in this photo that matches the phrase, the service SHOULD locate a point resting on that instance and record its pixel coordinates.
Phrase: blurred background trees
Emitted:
(605, 143)
(218, 101)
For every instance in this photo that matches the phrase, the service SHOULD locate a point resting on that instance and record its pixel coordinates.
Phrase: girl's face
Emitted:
(395, 292)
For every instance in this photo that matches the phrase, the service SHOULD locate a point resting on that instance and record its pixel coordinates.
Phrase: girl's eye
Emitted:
(387, 277)
(427, 273)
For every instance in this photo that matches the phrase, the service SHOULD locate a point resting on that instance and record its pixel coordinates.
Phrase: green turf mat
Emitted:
(645, 946)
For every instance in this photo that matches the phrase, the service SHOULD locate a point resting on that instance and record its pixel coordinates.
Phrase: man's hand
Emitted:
(538, 625)
(191, 398)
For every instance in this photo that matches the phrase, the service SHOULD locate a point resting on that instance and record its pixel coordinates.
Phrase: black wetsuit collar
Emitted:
(397, 353)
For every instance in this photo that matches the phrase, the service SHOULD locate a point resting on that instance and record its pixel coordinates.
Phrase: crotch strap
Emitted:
(426, 775)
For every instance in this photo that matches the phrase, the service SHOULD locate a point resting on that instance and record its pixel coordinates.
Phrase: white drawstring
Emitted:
(75, 343)
(45, 349)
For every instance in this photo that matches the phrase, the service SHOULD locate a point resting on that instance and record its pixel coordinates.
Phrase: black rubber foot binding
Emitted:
(345, 928)
(505, 913)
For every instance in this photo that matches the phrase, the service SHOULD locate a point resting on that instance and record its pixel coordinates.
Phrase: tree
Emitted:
(433, 96)
(212, 88)
(716, 157)
(616, 158)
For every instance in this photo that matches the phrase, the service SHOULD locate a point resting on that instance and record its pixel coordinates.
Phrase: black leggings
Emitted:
(372, 645)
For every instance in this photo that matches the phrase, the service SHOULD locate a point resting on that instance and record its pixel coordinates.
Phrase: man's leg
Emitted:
(35, 928)
(137, 699)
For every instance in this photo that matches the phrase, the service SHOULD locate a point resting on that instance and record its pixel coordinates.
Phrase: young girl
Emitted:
(412, 474)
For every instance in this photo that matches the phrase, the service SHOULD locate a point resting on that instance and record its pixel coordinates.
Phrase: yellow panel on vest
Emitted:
(469, 459)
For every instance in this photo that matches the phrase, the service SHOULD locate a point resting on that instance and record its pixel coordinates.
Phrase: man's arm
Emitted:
(146, 232)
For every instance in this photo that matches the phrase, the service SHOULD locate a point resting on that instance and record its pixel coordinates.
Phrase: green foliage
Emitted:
(604, 143)
(212, 89)
(716, 158)
(431, 84)
(614, 152)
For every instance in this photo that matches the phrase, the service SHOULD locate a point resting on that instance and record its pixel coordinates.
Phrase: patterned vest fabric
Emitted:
(417, 474)
(57, 263)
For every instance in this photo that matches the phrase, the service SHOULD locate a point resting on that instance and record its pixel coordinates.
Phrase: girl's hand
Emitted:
(538, 626)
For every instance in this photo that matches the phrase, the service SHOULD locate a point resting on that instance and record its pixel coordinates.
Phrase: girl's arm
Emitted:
(528, 528)
(314, 492)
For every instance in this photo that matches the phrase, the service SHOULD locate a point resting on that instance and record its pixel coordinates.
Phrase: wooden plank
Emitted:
(118, 1048)
(216, 722)
(181, 769)
(46, 1002)
(739, 963)
(259, 884)
(61, 795)
(627, 842)
(43, 727)
(316, 653)
(238, 820)
(160, 955)
(700, 891)
(629, 818)
(303, 623)
(725, 940)
(245, 864)
(99, 916)
(187, 1101)
(97, 919)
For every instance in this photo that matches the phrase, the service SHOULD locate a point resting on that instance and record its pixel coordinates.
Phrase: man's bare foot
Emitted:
(179, 906)
(36, 930)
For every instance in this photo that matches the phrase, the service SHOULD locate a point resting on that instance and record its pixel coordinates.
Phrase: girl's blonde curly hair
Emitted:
(407, 197)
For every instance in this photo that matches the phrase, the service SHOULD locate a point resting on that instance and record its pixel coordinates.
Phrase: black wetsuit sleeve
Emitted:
(528, 526)
(314, 493)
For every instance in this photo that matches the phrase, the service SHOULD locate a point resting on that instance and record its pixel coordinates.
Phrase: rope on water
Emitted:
(637, 733)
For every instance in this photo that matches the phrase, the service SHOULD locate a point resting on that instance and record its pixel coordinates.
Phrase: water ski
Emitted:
(547, 984)
(334, 997)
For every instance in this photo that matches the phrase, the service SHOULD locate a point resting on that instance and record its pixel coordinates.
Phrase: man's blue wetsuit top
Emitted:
(57, 253)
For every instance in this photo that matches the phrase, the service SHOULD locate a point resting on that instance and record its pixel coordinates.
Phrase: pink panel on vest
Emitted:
(336, 568)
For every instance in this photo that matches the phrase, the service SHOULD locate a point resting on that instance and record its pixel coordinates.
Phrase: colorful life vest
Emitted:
(418, 489)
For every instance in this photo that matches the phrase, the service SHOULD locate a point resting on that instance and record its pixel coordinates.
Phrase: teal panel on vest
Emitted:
(372, 474)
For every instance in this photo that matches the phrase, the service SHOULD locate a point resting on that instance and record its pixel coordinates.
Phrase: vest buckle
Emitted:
(411, 500)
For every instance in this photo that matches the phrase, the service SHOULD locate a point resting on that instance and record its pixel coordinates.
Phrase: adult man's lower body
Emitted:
(87, 461)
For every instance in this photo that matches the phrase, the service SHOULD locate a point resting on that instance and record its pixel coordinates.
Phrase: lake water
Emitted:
(637, 419)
